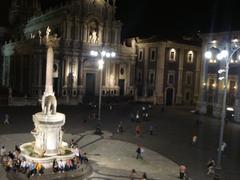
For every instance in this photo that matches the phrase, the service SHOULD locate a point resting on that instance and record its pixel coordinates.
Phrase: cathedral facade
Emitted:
(83, 26)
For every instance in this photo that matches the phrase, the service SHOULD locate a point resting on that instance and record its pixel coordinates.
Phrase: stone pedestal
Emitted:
(48, 144)
(48, 133)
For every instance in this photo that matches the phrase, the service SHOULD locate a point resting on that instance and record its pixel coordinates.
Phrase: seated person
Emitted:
(32, 170)
(55, 166)
(61, 166)
(84, 158)
(39, 169)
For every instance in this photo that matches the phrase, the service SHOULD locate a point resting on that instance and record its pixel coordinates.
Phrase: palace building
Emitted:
(212, 82)
(168, 71)
(82, 25)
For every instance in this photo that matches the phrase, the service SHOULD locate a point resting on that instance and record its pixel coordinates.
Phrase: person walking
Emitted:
(3, 153)
(139, 151)
(137, 116)
(211, 165)
(151, 130)
(138, 130)
(194, 140)
(182, 171)
(132, 117)
(6, 120)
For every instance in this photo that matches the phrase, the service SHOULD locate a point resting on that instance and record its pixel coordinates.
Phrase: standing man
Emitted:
(182, 171)
(139, 152)
(6, 120)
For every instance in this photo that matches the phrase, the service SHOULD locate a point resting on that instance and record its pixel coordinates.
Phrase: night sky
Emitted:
(169, 17)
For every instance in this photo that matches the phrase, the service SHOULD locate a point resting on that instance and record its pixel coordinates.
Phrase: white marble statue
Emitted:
(93, 37)
(49, 104)
(48, 32)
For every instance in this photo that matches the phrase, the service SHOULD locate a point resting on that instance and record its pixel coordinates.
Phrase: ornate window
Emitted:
(171, 78)
(172, 54)
(139, 76)
(140, 55)
(190, 57)
(151, 77)
(153, 54)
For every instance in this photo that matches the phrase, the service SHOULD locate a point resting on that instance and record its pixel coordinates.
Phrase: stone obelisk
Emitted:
(48, 144)
(48, 123)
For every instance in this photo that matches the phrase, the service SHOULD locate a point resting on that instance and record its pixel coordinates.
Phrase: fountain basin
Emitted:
(27, 151)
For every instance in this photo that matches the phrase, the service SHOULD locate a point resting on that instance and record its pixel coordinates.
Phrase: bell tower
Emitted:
(21, 10)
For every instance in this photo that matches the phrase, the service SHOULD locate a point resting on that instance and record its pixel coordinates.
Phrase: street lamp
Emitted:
(102, 55)
(223, 76)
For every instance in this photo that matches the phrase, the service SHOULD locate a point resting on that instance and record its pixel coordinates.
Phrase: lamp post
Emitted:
(227, 57)
(102, 55)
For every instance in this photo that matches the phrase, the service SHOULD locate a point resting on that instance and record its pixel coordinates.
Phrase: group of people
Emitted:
(62, 166)
(144, 114)
(80, 156)
(134, 176)
(14, 161)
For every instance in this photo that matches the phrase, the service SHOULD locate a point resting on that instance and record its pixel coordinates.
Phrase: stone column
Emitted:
(197, 81)
(202, 104)
(159, 82)
(145, 71)
(85, 33)
(49, 70)
(217, 107)
(66, 71)
(179, 95)
(100, 33)
(237, 102)
(128, 77)
(21, 58)
(40, 75)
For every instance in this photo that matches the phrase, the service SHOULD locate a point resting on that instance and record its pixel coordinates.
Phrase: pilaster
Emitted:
(179, 95)
(160, 75)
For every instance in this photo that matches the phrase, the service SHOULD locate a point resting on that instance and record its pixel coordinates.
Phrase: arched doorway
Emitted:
(169, 96)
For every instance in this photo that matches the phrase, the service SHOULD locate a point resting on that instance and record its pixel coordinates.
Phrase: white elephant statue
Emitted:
(49, 104)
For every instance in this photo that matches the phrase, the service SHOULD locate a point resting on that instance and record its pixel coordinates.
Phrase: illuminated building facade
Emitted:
(211, 99)
(83, 25)
(167, 72)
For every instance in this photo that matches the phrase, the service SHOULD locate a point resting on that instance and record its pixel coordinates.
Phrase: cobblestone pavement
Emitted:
(173, 131)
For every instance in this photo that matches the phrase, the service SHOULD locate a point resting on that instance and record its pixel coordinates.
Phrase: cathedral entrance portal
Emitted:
(90, 84)
(169, 97)
(121, 83)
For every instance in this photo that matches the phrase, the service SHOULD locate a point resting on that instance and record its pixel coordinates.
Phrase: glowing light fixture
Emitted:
(208, 54)
(94, 53)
